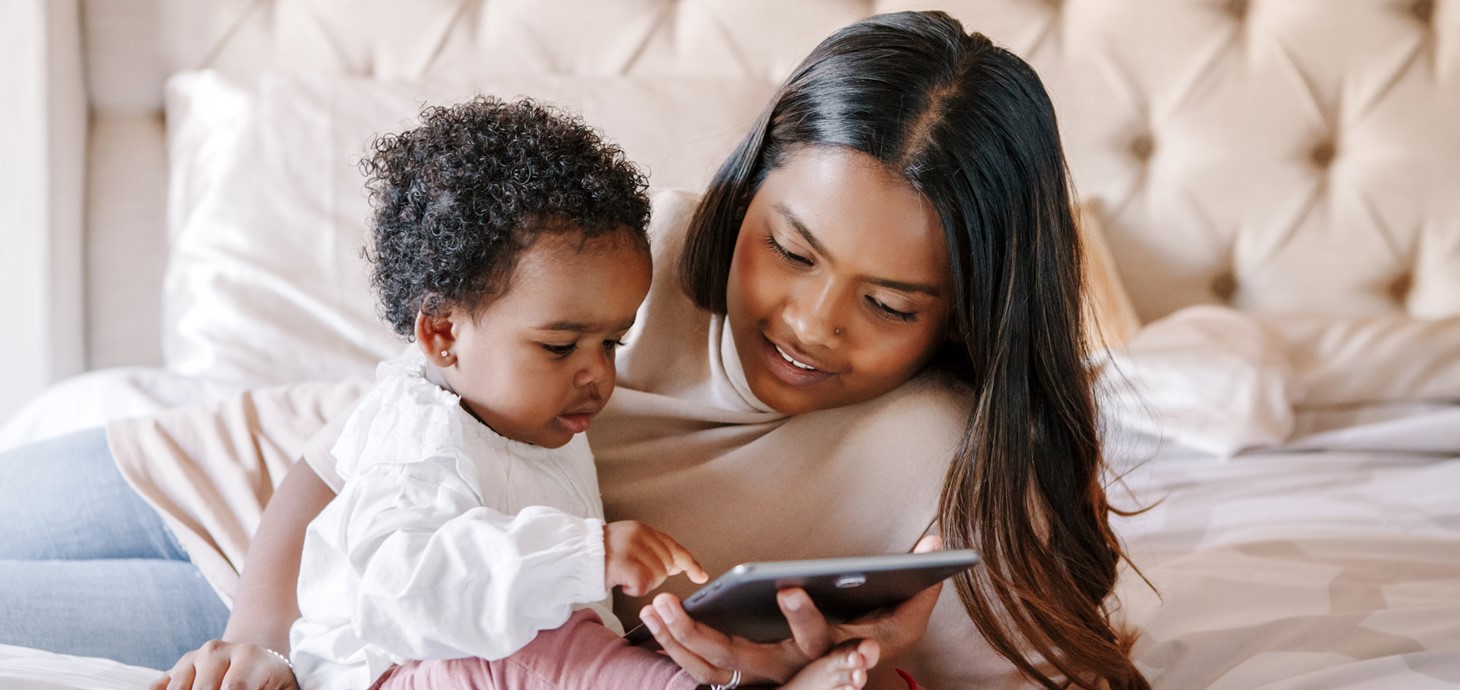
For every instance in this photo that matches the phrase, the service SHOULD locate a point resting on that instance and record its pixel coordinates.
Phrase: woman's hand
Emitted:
(218, 664)
(640, 558)
(266, 603)
(697, 646)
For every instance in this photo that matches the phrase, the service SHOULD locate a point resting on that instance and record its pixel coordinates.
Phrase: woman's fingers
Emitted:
(910, 619)
(711, 644)
(181, 675)
(210, 676)
(757, 662)
(906, 623)
(893, 630)
(176, 679)
(897, 629)
(702, 671)
(929, 542)
(219, 664)
(808, 627)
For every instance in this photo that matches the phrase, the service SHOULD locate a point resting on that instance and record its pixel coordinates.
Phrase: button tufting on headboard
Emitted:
(1323, 153)
(1305, 149)
(1399, 289)
(1224, 286)
(1142, 147)
(1423, 10)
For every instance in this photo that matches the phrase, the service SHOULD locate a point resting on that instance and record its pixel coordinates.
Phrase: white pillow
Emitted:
(1348, 361)
(267, 212)
(1207, 378)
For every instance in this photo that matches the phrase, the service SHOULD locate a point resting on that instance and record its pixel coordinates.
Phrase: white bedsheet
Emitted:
(1318, 569)
(32, 669)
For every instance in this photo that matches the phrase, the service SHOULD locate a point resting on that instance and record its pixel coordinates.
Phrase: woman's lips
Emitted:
(786, 371)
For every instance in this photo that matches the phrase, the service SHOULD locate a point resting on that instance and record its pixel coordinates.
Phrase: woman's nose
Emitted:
(812, 313)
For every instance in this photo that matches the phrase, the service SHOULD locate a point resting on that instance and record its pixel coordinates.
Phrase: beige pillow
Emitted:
(1110, 317)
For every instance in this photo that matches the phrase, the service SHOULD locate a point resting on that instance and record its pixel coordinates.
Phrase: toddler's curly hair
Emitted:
(457, 200)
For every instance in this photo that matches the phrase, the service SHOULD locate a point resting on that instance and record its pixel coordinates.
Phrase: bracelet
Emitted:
(281, 657)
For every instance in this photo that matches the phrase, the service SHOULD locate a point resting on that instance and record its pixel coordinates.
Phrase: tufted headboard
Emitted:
(1274, 155)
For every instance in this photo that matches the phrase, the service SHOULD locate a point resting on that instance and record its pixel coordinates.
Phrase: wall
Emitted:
(43, 124)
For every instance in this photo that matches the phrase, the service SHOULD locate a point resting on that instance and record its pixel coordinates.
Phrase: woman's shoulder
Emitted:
(931, 399)
(923, 418)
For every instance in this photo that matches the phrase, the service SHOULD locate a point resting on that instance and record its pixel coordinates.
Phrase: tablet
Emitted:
(743, 601)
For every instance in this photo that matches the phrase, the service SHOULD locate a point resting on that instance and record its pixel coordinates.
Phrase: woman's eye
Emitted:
(560, 350)
(612, 344)
(784, 253)
(890, 312)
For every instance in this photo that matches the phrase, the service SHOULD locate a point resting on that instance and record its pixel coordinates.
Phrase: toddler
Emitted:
(467, 547)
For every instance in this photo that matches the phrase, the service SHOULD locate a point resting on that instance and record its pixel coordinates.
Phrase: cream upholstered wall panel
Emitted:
(1275, 155)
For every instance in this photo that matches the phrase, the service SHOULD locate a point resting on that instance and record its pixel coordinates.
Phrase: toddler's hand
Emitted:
(641, 558)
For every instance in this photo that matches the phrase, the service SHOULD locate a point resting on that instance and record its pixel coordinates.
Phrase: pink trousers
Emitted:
(582, 654)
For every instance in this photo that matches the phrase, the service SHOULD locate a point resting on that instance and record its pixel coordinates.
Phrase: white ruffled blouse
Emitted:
(448, 540)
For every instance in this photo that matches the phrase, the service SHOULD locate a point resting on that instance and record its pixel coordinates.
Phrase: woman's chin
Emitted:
(790, 398)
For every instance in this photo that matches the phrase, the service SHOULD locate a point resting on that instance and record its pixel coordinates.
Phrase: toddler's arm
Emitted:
(433, 574)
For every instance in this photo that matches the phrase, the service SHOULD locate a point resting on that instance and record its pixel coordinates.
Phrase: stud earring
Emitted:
(446, 354)
(838, 331)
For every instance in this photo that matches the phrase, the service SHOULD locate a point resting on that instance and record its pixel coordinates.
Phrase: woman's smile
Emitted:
(792, 369)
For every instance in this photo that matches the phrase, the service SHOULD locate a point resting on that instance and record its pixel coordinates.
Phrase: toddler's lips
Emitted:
(576, 423)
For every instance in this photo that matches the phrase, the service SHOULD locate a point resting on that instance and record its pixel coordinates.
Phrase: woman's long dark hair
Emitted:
(970, 126)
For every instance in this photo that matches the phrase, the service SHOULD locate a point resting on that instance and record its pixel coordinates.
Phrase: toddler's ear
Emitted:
(434, 335)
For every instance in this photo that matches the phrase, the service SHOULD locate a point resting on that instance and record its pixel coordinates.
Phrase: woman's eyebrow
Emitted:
(903, 286)
(801, 229)
(929, 290)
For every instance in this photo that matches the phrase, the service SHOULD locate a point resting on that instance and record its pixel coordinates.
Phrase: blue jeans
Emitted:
(87, 567)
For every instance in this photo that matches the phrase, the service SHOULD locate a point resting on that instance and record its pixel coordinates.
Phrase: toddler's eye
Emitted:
(612, 344)
(560, 350)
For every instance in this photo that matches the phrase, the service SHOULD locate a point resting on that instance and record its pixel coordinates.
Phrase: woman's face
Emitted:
(839, 287)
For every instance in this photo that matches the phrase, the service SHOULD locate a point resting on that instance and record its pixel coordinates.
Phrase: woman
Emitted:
(878, 337)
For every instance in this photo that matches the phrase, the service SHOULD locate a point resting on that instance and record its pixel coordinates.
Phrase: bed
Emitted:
(1269, 187)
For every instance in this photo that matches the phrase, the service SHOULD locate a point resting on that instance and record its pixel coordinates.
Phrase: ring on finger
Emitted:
(734, 682)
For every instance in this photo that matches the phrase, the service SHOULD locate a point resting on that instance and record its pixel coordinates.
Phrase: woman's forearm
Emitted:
(267, 601)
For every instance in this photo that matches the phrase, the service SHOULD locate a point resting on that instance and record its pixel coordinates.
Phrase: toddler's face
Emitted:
(538, 363)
